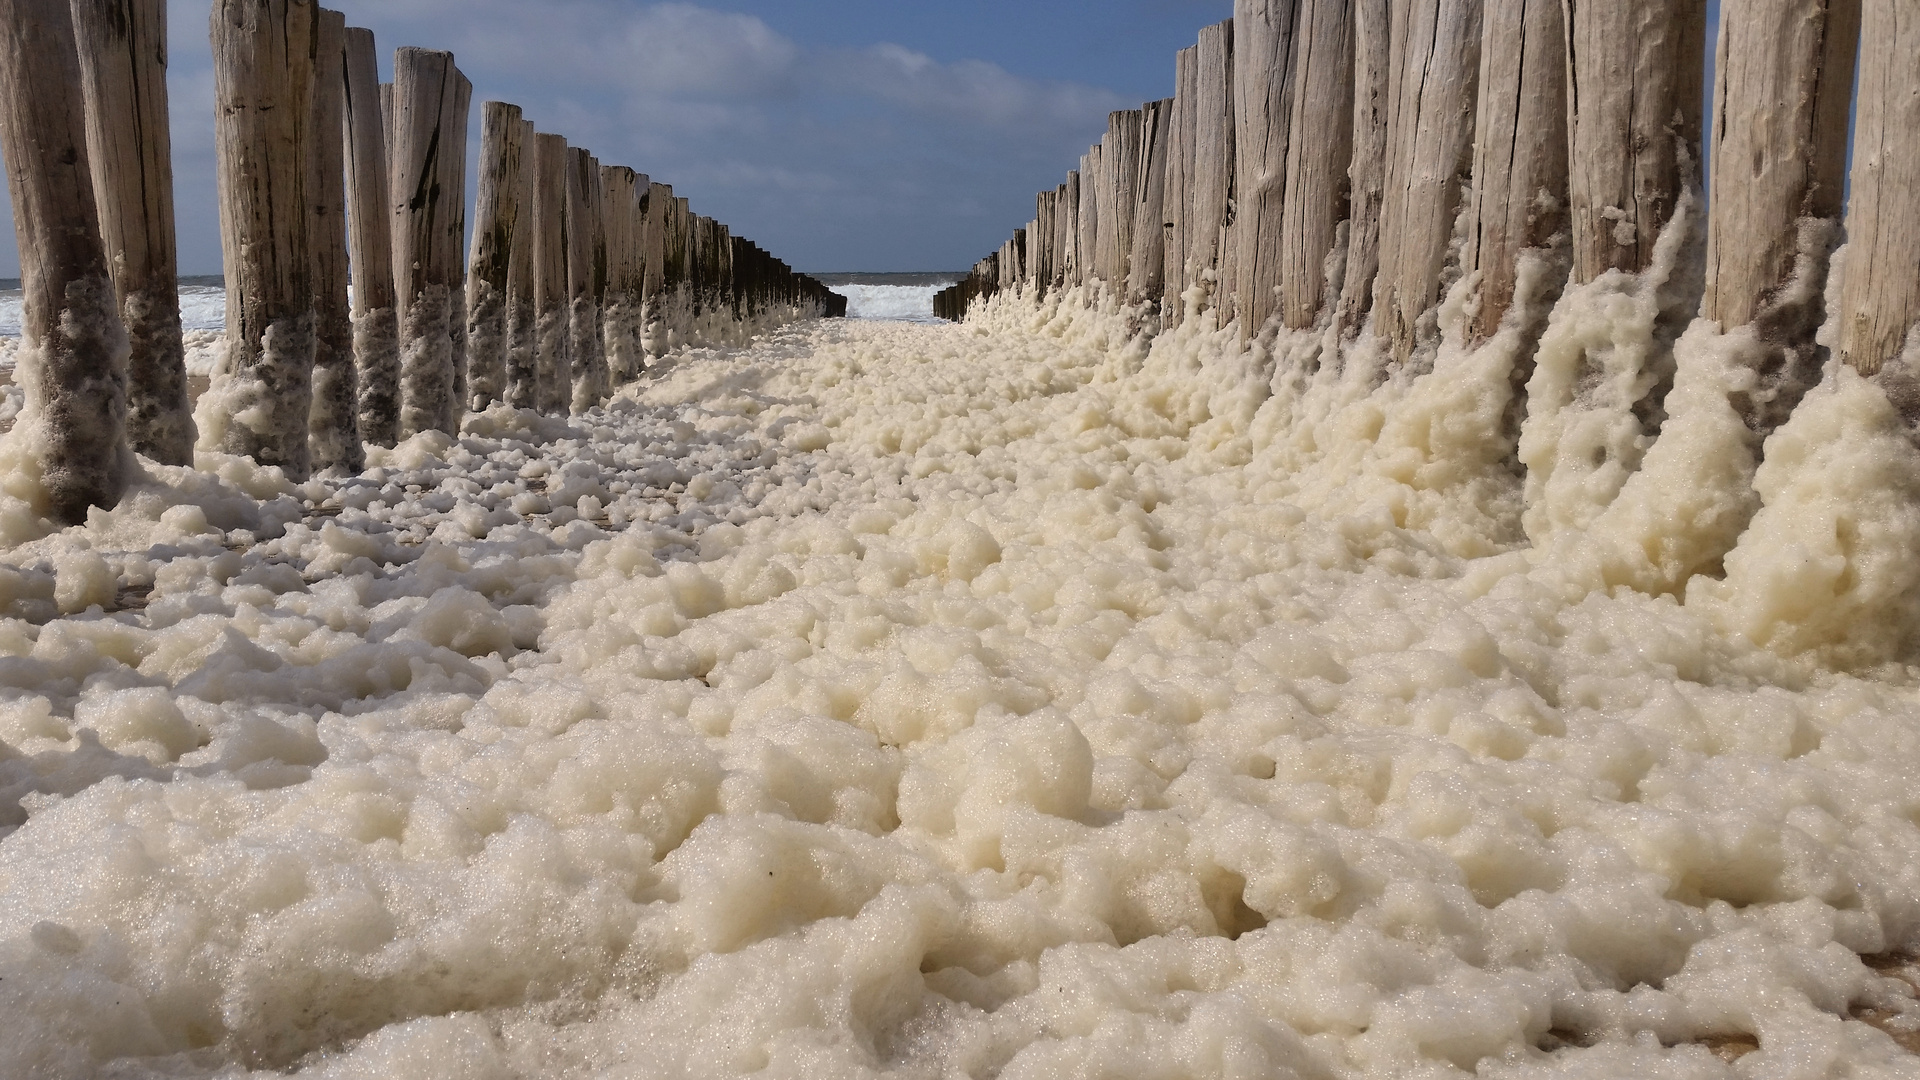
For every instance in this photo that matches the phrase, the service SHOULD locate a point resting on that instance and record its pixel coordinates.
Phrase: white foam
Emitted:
(896, 303)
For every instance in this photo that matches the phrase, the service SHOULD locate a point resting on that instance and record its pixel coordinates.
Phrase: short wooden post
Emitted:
(523, 328)
(333, 427)
(1635, 67)
(1179, 197)
(550, 302)
(583, 311)
(1880, 303)
(1520, 152)
(1367, 173)
(73, 369)
(1213, 163)
(496, 220)
(123, 62)
(263, 86)
(1430, 140)
(1264, 55)
(1782, 81)
(424, 96)
(1319, 151)
(376, 327)
(1147, 259)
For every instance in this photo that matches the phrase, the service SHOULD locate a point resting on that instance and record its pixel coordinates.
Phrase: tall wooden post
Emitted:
(1179, 198)
(1121, 168)
(1429, 146)
(619, 316)
(583, 318)
(123, 62)
(453, 166)
(497, 222)
(263, 86)
(1263, 84)
(521, 388)
(1782, 81)
(550, 273)
(1213, 162)
(1088, 267)
(1881, 296)
(376, 327)
(653, 290)
(1367, 174)
(1319, 151)
(73, 369)
(1066, 224)
(425, 92)
(1147, 259)
(333, 428)
(1520, 152)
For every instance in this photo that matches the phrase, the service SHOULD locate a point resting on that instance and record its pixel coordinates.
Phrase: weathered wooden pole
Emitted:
(1367, 174)
(1430, 141)
(1213, 164)
(1264, 56)
(550, 273)
(1880, 302)
(425, 92)
(123, 62)
(1043, 227)
(1087, 268)
(1633, 120)
(376, 327)
(583, 314)
(1520, 152)
(620, 214)
(496, 221)
(333, 427)
(263, 86)
(1147, 260)
(1179, 196)
(521, 387)
(1067, 220)
(1319, 151)
(1121, 168)
(73, 369)
(453, 165)
(654, 288)
(1782, 82)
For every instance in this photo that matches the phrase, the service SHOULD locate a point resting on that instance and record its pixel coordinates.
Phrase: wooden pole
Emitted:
(1881, 296)
(550, 273)
(1635, 68)
(1213, 162)
(73, 369)
(1067, 221)
(333, 428)
(1147, 260)
(1087, 268)
(1520, 154)
(654, 288)
(496, 219)
(583, 316)
(1319, 151)
(453, 166)
(424, 95)
(376, 328)
(263, 86)
(523, 337)
(625, 272)
(123, 62)
(1121, 168)
(1264, 55)
(1430, 140)
(1366, 175)
(1179, 198)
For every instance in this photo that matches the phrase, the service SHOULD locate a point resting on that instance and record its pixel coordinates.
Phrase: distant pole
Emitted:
(376, 328)
(73, 369)
(333, 428)
(263, 86)
(424, 95)
(123, 61)
(550, 273)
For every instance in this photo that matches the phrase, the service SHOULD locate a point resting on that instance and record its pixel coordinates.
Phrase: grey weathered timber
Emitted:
(1089, 264)
(123, 63)
(1065, 227)
(623, 313)
(1213, 162)
(1633, 104)
(1147, 260)
(1520, 150)
(1263, 86)
(1120, 170)
(496, 219)
(1429, 147)
(1367, 174)
(73, 369)
(333, 428)
(263, 86)
(550, 273)
(1070, 226)
(523, 347)
(1043, 233)
(424, 95)
(654, 290)
(1782, 80)
(583, 280)
(1319, 150)
(376, 326)
(1881, 295)
(1178, 204)
(453, 164)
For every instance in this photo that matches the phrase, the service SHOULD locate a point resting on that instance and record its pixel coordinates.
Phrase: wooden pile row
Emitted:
(1339, 161)
(579, 272)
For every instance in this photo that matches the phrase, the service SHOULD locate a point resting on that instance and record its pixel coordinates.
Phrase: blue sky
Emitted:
(847, 135)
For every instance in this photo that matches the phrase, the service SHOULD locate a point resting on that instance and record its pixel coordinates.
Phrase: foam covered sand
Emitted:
(1009, 699)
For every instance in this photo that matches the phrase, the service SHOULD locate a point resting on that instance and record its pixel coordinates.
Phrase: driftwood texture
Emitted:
(333, 428)
(1147, 262)
(523, 348)
(1520, 151)
(550, 273)
(496, 219)
(73, 369)
(1120, 171)
(263, 85)
(1367, 174)
(1178, 204)
(123, 62)
(1319, 150)
(376, 327)
(1881, 295)
(1213, 162)
(424, 95)
(1263, 86)
(1633, 104)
